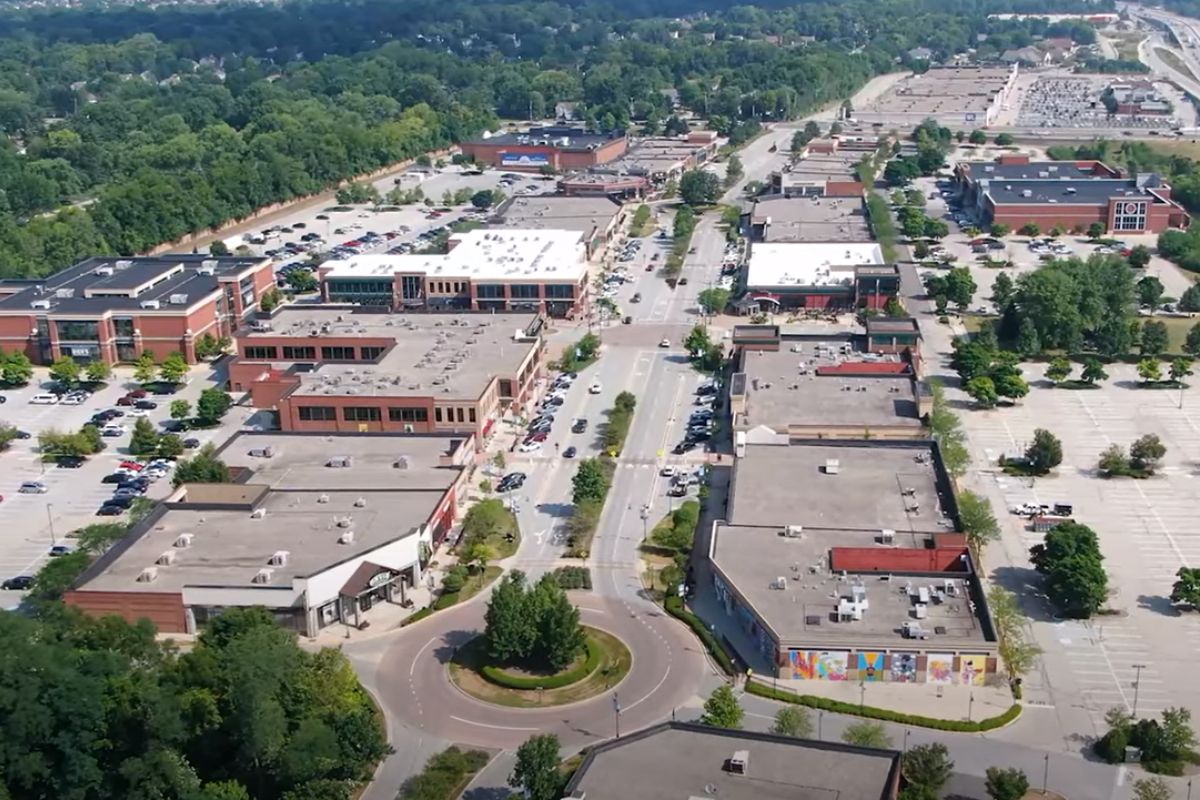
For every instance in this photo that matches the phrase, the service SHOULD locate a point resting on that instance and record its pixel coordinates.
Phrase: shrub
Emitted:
(445, 775)
(455, 579)
(573, 577)
(589, 665)
(716, 649)
(887, 715)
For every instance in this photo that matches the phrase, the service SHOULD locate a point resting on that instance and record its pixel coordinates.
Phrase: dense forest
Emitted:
(146, 125)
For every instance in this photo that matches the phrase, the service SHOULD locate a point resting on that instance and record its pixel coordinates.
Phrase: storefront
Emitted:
(370, 585)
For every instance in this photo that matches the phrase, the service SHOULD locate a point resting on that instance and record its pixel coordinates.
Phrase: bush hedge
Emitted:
(445, 775)
(416, 616)
(884, 714)
(674, 606)
(573, 577)
(590, 664)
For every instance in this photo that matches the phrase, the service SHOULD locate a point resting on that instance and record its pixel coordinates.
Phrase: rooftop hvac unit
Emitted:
(360, 502)
(43, 304)
(103, 271)
(794, 531)
(262, 576)
(178, 299)
(279, 558)
(340, 462)
(323, 498)
(347, 537)
(345, 522)
(739, 763)
(184, 540)
(832, 466)
(151, 304)
(124, 264)
(147, 575)
(779, 583)
(887, 536)
(401, 462)
(166, 559)
(258, 513)
(209, 263)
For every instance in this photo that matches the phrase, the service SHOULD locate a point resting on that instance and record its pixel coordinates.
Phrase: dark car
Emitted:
(116, 477)
(513, 480)
(24, 435)
(322, 216)
(569, 452)
(299, 225)
(579, 426)
(537, 436)
(683, 447)
(191, 444)
(176, 425)
(683, 281)
(18, 584)
(162, 389)
(70, 462)
(60, 550)
(110, 510)
(147, 405)
(120, 502)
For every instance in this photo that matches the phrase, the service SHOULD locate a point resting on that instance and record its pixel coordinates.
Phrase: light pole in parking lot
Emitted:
(1137, 683)
(645, 517)
(50, 519)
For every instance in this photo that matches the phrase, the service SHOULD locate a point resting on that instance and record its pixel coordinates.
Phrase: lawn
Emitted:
(1174, 61)
(491, 523)
(1177, 330)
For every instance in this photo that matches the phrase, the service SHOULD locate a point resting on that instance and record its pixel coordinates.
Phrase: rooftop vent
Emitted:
(401, 462)
(279, 558)
(793, 531)
(739, 762)
(262, 576)
(832, 466)
(147, 575)
(103, 271)
(360, 502)
(178, 299)
(323, 498)
(151, 304)
(779, 583)
(340, 462)
(166, 559)
(43, 304)
(345, 522)
(183, 541)
(258, 513)
(347, 537)
(124, 264)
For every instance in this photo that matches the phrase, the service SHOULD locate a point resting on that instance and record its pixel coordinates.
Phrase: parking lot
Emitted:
(31, 523)
(1074, 102)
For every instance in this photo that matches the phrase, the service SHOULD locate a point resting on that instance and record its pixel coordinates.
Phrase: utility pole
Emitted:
(1137, 684)
(617, 712)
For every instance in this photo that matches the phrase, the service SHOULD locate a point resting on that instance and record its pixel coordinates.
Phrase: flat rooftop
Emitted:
(99, 284)
(808, 263)
(876, 487)
(783, 388)
(993, 170)
(1092, 190)
(942, 90)
(229, 546)
(452, 353)
(482, 255)
(675, 761)
(558, 137)
(653, 154)
(581, 214)
(824, 166)
(813, 219)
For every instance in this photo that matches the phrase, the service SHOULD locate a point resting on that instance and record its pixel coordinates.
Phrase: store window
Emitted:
(300, 353)
(316, 413)
(260, 352)
(408, 415)
(361, 414)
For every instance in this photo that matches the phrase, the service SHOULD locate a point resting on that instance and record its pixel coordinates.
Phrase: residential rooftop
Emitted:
(140, 284)
(812, 219)
(582, 214)
(456, 354)
(482, 255)
(294, 518)
(1091, 191)
(786, 388)
(676, 760)
(808, 263)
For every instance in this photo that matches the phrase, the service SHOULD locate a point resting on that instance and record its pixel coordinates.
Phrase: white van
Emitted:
(44, 399)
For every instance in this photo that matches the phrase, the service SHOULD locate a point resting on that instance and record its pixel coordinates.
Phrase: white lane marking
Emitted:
(657, 686)
(417, 657)
(493, 727)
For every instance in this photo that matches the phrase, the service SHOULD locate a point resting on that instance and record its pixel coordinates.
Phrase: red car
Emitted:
(540, 436)
(137, 394)
(124, 401)
(133, 465)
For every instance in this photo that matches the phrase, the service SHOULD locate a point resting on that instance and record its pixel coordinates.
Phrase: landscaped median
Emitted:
(838, 707)
(594, 476)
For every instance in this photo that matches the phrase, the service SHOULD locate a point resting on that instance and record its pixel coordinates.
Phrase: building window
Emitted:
(300, 353)
(490, 291)
(459, 413)
(471, 414)
(260, 352)
(559, 291)
(408, 415)
(437, 415)
(337, 353)
(77, 331)
(523, 291)
(506, 387)
(371, 353)
(366, 292)
(123, 327)
(1130, 215)
(411, 287)
(361, 414)
(317, 413)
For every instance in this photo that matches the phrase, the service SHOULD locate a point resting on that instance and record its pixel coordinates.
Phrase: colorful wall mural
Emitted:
(972, 670)
(810, 665)
(903, 668)
(870, 667)
(939, 668)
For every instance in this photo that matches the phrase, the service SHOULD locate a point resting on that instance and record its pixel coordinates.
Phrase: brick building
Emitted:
(114, 309)
(345, 370)
(526, 270)
(820, 275)
(1072, 194)
(560, 148)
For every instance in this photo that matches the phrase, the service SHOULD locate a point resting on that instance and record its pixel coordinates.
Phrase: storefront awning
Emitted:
(368, 576)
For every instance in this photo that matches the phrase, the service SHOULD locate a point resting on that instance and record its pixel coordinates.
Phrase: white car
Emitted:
(138, 412)
(44, 400)
(665, 342)
(595, 388)
(529, 447)
(667, 471)
(33, 487)
(73, 400)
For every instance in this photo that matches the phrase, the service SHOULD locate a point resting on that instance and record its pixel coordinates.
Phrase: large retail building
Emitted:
(558, 148)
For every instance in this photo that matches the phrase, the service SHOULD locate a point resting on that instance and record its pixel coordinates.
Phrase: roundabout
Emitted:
(603, 664)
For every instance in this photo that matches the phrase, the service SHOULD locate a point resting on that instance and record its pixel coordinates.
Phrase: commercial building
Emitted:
(817, 218)
(594, 218)
(953, 96)
(115, 309)
(826, 167)
(587, 184)
(534, 270)
(680, 760)
(558, 147)
(823, 387)
(852, 568)
(818, 275)
(341, 369)
(1072, 194)
(663, 158)
(324, 528)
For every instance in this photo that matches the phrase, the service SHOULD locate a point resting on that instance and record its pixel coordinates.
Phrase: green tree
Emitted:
(1002, 292)
(1139, 257)
(1186, 590)
(722, 710)
(1095, 230)
(218, 248)
(1010, 384)
(1149, 370)
(1016, 651)
(204, 467)
(982, 390)
(927, 766)
(866, 733)
(536, 771)
(1154, 339)
(269, 300)
(1071, 562)
(977, 137)
(733, 170)
(560, 637)
(212, 405)
(1180, 368)
(173, 368)
(1030, 229)
(1044, 452)
(1093, 371)
(978, 521)
(1113, 460)
(1146, 451)
(144, 369)
(1004, 139)
(1007, 783)
(699, 187)
(180, 409)
(1028, 341)
(16, 369)
(793, 721)
(95, 539)
(144, 440)
(697, 341)
(713, 300)
(510, 631)
(1191, 345)
(960, 287)
(936, 229)
(98, 371)
(590, 482)
(1190, 299)
(65, 370)
(999, 230)
(1058, 370)
(302, 281)
(1150, 291)
(170, 446)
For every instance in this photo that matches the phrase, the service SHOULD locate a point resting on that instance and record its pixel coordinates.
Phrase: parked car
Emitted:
(60, 550)
(569, 452)
(146, 405)
(529, 447)
(579, 426)
(33, 487)
(511, 481)
(70, 462)
(595, 388)
(43, 399)
(110, 510)
(17, 584)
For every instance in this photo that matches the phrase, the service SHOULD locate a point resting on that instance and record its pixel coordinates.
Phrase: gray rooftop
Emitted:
(877, 486)
(825, 166)
(650, 155)
(97, 285)
(453, 354)
(783, 389)
(813, 219)
(675, 761)
(993, 170)
(560, 137)
(1091, 191)
(305, 507)
(583, 214)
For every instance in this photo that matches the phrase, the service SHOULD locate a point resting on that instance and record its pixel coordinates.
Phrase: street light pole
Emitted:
(970, 705)
(1137, 684)
(50, 519)
(1046, 772)
(862, 695)
(820, 723)
(904, 751)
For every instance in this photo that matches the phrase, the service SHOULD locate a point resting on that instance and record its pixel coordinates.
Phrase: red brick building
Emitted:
(113, 310)
(338, 369)
(558, 147)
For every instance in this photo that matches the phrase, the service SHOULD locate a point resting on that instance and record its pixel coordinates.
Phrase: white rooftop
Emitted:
(808, 263)
(483, 255)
